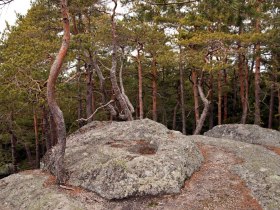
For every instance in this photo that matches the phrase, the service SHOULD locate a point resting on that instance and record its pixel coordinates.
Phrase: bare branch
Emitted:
(91, 116)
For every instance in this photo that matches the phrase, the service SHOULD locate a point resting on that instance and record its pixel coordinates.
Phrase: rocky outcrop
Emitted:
(252, 134)
(123, 159)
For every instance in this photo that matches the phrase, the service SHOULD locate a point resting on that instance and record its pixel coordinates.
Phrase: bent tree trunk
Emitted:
(127, 113)
(54, 108)
(204, 112)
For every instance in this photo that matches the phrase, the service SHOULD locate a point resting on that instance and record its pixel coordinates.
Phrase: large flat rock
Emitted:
(253, 134)
(123, 159)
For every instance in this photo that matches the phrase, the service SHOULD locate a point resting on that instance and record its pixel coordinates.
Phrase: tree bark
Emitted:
(28, 154)
(54, 108)
(140, 85)
(154, 87)
(257, 119)
(203, 116)
(79, 93)
(271, 105)
(195, 96)
(13, 141)
(89, 72)
(211, 108)
(182, 92)
(119, 96)
(110, 107)
(220, 98)
(225, 97)
(37, 146)
(174, 116)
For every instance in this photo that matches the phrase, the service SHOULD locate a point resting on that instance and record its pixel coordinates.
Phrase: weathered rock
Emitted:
(253, 134)
(123, 159)
(258, 167)
(30, 191)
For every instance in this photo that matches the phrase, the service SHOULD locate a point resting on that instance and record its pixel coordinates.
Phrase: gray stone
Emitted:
(123, 159)
(253, 134)
(260, 168)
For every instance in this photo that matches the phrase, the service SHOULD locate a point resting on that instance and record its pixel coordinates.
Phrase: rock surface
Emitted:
(123, 159)
(234, 175)
(253, 134)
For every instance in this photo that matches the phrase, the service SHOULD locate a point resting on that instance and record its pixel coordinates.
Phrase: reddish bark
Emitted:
(54, 108)
(154, 88)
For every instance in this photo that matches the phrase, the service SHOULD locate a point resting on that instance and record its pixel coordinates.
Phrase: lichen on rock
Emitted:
(124, 159)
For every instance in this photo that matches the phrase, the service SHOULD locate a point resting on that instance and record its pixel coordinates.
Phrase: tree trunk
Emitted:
(54, 108)
(257, 120)
(271, 105)
(79, 93)
(101, 78)
(28, 154)
(13, 141)
(119, 96)
(211, 108)
(220, 98)
(47, 130)
(225, 98)
(279, 106)
(174, 116)
(195, 96)
(37, 146)
(246, 96)
(140, 85)
(182, 92)
(203, 116)
(154, 87)
(129, 104)
(89, 73)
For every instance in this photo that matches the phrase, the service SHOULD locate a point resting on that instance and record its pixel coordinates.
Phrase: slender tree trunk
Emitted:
(47, 130)
(246, 96)
(174, 116)
(211, 108)
(257, 120)
(154, 86)
(234, 88)
(203, 116)
(35, 120)
(129, 104)
(89, 73)
(54, 108)
(119, 96)
(13, 144)
(195, 96)
(271, 105)
(182, 92)
(28, 154)
(110, 107)
(79, 93)
(220, 95)
(279, 106)
(140, 85)
(225, 98)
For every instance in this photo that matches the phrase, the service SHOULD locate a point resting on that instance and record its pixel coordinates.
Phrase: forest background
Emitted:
(189, 65)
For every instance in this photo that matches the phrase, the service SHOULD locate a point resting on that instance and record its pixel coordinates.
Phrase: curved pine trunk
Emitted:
(54, 108)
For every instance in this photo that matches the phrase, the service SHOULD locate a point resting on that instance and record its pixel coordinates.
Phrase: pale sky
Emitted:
(7, 13)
